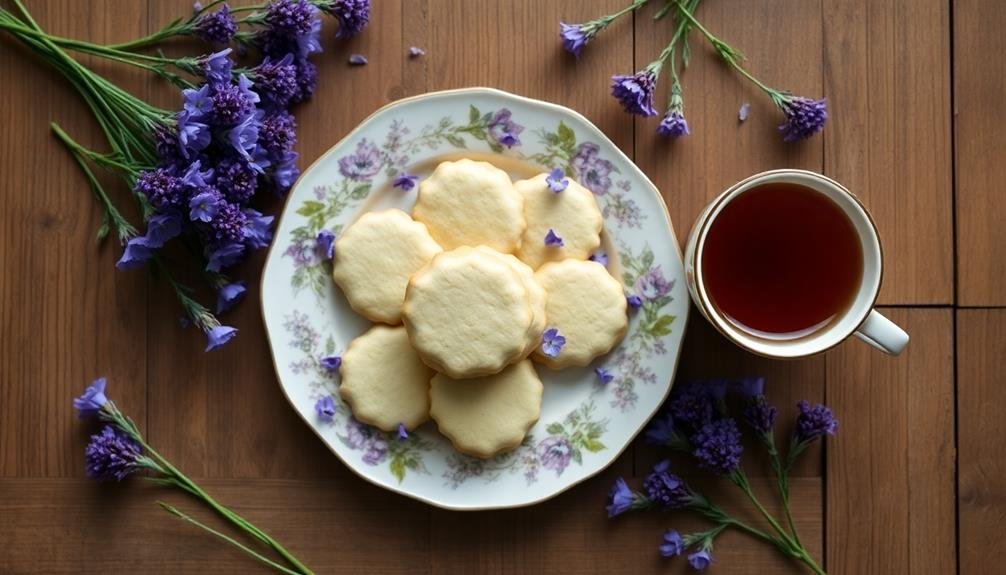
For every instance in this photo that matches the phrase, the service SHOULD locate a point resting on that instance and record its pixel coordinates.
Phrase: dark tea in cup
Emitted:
(781, 261)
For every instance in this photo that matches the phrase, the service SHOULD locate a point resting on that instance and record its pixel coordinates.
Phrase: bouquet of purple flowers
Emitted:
(804, 116)
(698, 421)
(195, 171)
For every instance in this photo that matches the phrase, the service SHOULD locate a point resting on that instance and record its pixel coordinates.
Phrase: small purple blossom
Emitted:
(307, 79)
(353, 15)
(218, 27)
(603, 375)
(197, 102)
(552, 239)
(244, 137)
(193, 136)
(673, 544)
(331, 363)
(554, 453)
(278, 133)
(403, 433)
(236, 180)
(204, 206)
(217, 67)
(363, 164)
(224, 256)
(700, 560)
(276, 81)
(415, 52)
(325, 408)
(745, 110)
(620, 498)
(804, 117)
(813, 422)
(557, 180)
(599, 257)
(759, 415)
(357, 60)
(634, 301)
(292, 17)
(112, 454)
(718, 446)
(502, 129)
(673, 125)
(661, 430)
(218, 336)
(326, 244)
(552, 342)
(231, 104)
(230, 294)
(92, 400)
(405, 182)
(666, 489)
(136, 254)
(691, 406)
(257, 231)
(635, 92)
(576, 36)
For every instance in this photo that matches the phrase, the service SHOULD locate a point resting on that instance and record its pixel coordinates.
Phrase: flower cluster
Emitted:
(635, 92)
(697, 420)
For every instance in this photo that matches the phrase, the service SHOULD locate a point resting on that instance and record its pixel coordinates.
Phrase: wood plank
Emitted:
(65, 312)
(887, 79)
(339, 525)
(979, 86)
(981, 362)
(890, 469)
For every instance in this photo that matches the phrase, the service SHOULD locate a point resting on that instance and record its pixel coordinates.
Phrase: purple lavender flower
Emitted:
(217, 67)
(552, 239)
(415, 52)
(136, 254)
(363, 164)
(193, 136)
(218, 336)
(743, 112)
(257, 232)
(353, 15)
(813, 422)
(285, 173)
(228, 225)
(243, 138)
(230, 294)
(307, 79)
(278, 133)
(691, 406)
(276, 81)
(557, 180)
(665, 488)
(599, 257)
(236, 180)
(700, 560)
(92, 400)
(204, 206)
(292, 17)
(661, 430)
(576, 36)
(759, 415)
(673, 125)
(653, 285)
(331, 363)
(603, 375)
(231, 105)
(635, 92)
(620, 498)
(502, 129)
(673, 545)
(325, 408)
(634, 301)
(405, 182)
(591, 170)
(326, 243)
(197, 102)
(552, 342)
(804, 117)
(718, 446)
(162, 227)
(112, 454)
(403, 433)
(218, 27)
(224, 256)
(357, 60)
(554, 453)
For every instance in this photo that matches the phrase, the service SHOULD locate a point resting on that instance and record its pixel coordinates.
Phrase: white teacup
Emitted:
(859, 318)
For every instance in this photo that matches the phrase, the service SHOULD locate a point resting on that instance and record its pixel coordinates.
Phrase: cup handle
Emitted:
(882, 334)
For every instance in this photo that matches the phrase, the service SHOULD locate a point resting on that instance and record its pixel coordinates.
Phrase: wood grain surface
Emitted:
(917, 93)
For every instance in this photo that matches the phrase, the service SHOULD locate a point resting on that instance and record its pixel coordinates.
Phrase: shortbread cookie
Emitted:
(536, 296)
(384, 381)
(587, 307)
(374, 259)
(467, 203)
(487, 415)
(571, 214)
(467, 314)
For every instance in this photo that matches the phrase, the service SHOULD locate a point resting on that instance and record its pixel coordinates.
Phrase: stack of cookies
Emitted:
(486, 276)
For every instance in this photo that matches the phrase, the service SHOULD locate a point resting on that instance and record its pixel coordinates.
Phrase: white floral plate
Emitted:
(584, 424)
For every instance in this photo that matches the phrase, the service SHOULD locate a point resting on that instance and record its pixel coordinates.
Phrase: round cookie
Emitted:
(468, 203)
(588, 308)
(375, 257)
(572, 214)
(467, 314)
(384, 381)
(487, 415)
(536, 296)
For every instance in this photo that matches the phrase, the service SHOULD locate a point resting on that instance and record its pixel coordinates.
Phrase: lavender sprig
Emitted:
(576, 36)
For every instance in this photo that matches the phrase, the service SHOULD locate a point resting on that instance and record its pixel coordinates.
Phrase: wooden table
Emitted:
(914, 481)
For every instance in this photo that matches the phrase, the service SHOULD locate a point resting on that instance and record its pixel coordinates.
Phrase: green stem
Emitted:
(226, 538)
(740, 479)
(636, 5)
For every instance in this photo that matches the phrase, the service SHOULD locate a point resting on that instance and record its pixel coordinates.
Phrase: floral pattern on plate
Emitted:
(585, 422)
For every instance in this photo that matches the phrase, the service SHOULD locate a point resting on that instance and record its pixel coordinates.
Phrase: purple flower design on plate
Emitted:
(362, 165)
(592, 171)
(555, 453)
(503, 130)
(653, 285)
(304, 252)
(360, 437)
